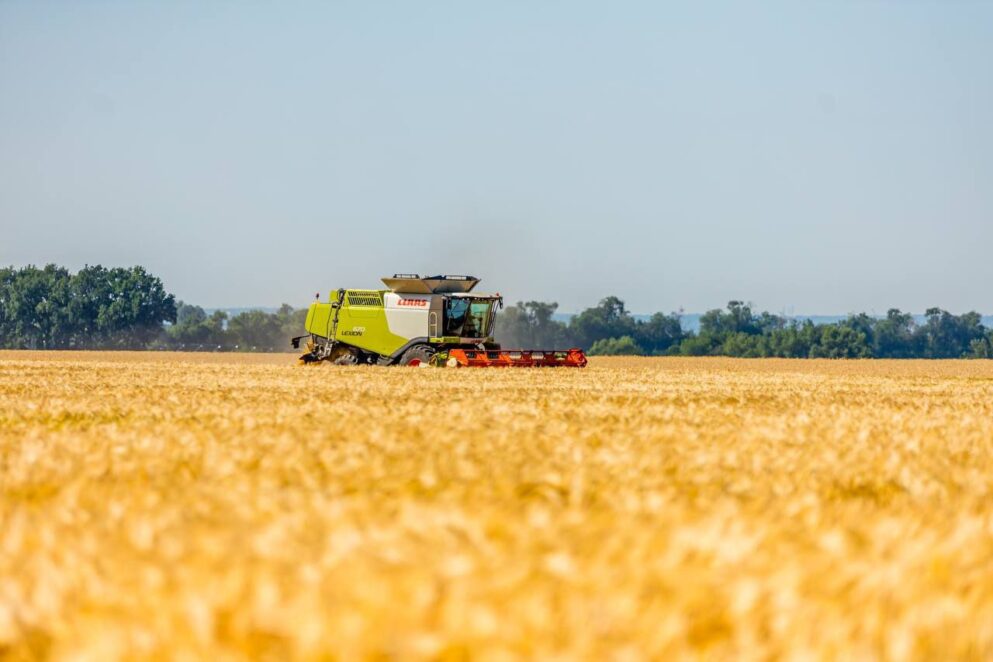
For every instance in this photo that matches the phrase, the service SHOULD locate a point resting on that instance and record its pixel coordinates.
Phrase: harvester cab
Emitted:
(436, 320)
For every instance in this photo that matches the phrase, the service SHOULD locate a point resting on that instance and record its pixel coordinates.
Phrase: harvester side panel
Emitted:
(407, 314)
(362, 322)
(319, 319)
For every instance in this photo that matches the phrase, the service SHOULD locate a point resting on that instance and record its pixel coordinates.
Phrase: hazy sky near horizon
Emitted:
(816, 157)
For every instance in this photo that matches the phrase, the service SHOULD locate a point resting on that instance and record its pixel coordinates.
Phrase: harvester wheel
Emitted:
(343, 356)
(417, 355)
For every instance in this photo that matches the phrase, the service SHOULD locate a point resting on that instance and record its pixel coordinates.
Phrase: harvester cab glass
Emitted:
(468, 318)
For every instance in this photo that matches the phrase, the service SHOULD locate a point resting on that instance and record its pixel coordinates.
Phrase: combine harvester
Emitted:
(418, 321)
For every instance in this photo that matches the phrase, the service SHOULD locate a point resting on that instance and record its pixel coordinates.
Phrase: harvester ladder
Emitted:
(332, 328)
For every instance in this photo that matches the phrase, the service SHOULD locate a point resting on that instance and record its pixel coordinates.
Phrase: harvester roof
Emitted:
(414, 284)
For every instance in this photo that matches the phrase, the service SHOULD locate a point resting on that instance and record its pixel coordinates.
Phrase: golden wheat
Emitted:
(222, 506)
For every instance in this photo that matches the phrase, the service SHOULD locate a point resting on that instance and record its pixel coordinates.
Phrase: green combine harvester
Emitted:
(435, 320)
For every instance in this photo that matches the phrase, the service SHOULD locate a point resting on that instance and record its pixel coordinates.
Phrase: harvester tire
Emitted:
(418, 355)
(343, 356)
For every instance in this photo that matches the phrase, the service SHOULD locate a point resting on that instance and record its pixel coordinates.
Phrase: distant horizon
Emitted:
(560, 313)
(689, 321)
(511, 300)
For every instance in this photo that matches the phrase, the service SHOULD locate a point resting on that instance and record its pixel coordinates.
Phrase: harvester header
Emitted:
(433, 320)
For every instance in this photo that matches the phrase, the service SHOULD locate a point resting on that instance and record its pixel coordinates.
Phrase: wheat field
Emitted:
(183, 506)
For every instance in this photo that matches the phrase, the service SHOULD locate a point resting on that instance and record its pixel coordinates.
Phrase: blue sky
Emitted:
(817, 157)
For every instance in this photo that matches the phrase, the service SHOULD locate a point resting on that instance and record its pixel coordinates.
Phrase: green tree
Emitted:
(865, 325)
(292, 323)
(530, 325)
(194, 330)
(737, 319)
(33, 303)
(793, 341)
(623, 346)
(187, 315)
(735, 331)
(744, 345)
(51, 308)
(660, 333)
(90, 292)
(981, 348)
(609, 319)
(838, 341)
(893, 336)
(948, 336)
(694, 345)
(254, 331)
(135, 310)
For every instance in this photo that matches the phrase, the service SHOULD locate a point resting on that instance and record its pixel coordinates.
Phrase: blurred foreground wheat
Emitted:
(221, 507)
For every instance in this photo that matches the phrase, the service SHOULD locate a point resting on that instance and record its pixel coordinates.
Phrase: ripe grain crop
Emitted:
(223, 506)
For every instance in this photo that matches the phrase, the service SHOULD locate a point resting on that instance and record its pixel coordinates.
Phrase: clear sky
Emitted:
(810, 157)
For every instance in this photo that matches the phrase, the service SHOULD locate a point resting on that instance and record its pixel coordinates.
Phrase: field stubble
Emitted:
(222, 506)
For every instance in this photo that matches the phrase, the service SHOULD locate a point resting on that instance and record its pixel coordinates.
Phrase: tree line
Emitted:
(100, 308)
(129, 308)
(250, 331)
(609, 329)
(51, 308)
